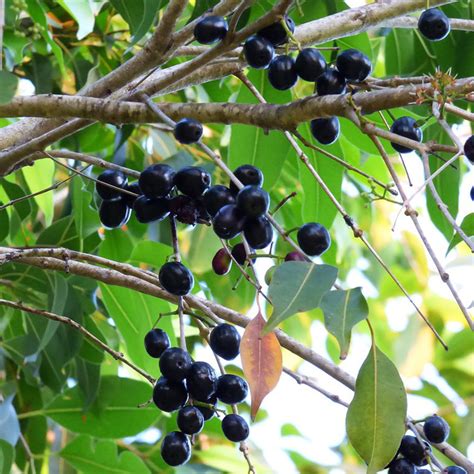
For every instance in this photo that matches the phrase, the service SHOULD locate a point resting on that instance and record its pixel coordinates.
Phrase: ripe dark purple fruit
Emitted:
(225, 341)
(208, 413)
(325, 130)
(413, 450)
(168, 395)
(313, 238)
(228, 222)
(401, 466)
(128, 199)
(295, 256)
(176, 278)
(253, 201)
(434, 24)
(188, 131)
(175, 364)
(472, 193)
(156, 342)
(469, 149)
(114, 178)
(201, 381)
(310, 64)
(114, 214)
(190, 420)
(406, 127)
(454, 470)
(216, 197)
(150, 209)
(185, 209)
(436, 429)
(353, 65)
(235, 428)
(231, 389)
(282, 72)
(210, 29)
(157, 180)
(258, 232)
(175, 449)
(247, 174)
(331, 82)
(276, 32)
(258, 52)
(221, 262)
(192, 181)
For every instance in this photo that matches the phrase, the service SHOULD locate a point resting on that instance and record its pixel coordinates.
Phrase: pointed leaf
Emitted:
(261, 361)
(7, 456)
(8, 86)
(375, 420)
(342, 310)
(467, 225)
(298, 287)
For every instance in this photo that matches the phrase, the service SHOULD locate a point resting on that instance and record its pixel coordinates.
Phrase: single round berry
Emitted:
(282, 72)
(310, 64)
(331, 82)
(128, 199)
(208, 413)
(114, 178)
(313, 238)
(185, 209)
(168, 395)
(216, 197)
(228, 222)
(176, 278)
(247, 174)
(253, 201)
(175, 364)
(276, 32)
(454, 470)
(221, 262)
(156, 342)
(231, 389)
(235, 428)
(436, 429)
(114, 214)
(192, 181)
(353, 65)
(190, 420)
(157, 180)
(210, 29)
(406, 127)
(258, 232)
(472, 193)
(188, 131)
(258, 52)
(175, 449)
(401, 466)
(325, 130)
(295, 256)
(225, 341)
(201, 381)
(434, 24)
(239, 253)
(469, 149)
(413, 450)
(150, 209)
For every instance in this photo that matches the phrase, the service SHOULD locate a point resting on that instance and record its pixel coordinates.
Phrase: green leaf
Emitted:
(297, 287)
(91, 457)
(7, 456)
(62, 233)
(114, 414)
(375, 420)
(4, 224)
(342, 310)
(8, 86)
(82, 12)
(88, 379)
(467, 225)
(151, 253)
(86, 218)
(117, 245)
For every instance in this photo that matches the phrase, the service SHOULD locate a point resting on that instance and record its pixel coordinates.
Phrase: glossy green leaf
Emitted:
(62, 233)
(467, 225)
(4, 224)
(86, 218)
(82, 12)
(343, 309)
(7, 455)
(8, 86)
(375, 420)
(298, 287)
(88, 379)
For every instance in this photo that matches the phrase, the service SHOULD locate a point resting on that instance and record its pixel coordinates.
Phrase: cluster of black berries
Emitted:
(193, 389)
(412, 454)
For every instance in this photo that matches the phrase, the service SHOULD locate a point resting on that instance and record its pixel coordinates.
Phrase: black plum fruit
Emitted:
(469, 148)
(228, 222)
(176, 278)
(114, 214)
(188, 131)
(208, 413)
(176, 449)
(216, 197)
(210, 29)
(472, 193)
(295, 256)
(201, 381)
(190, 420)
(221, 262)
(225, 341)
(436, 429)
(156, 342)
(128, 199)
(187, 210)
(282, 72)
(258, 232)
(231, 389)
(331, 82)
(258, 52)
(239, 253)
(413, 450)
(150, 209)
(175, 364)
(157, 180)
(401, 466)
(114, 178)
(310, 64)
(247, 174)
(353, 65)
(434, 24)
(408, 128)
(325, 130)
(276, 32)
(168, 395)
(313, 238)
(192, 181)
(235, 428)
(253, 201)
